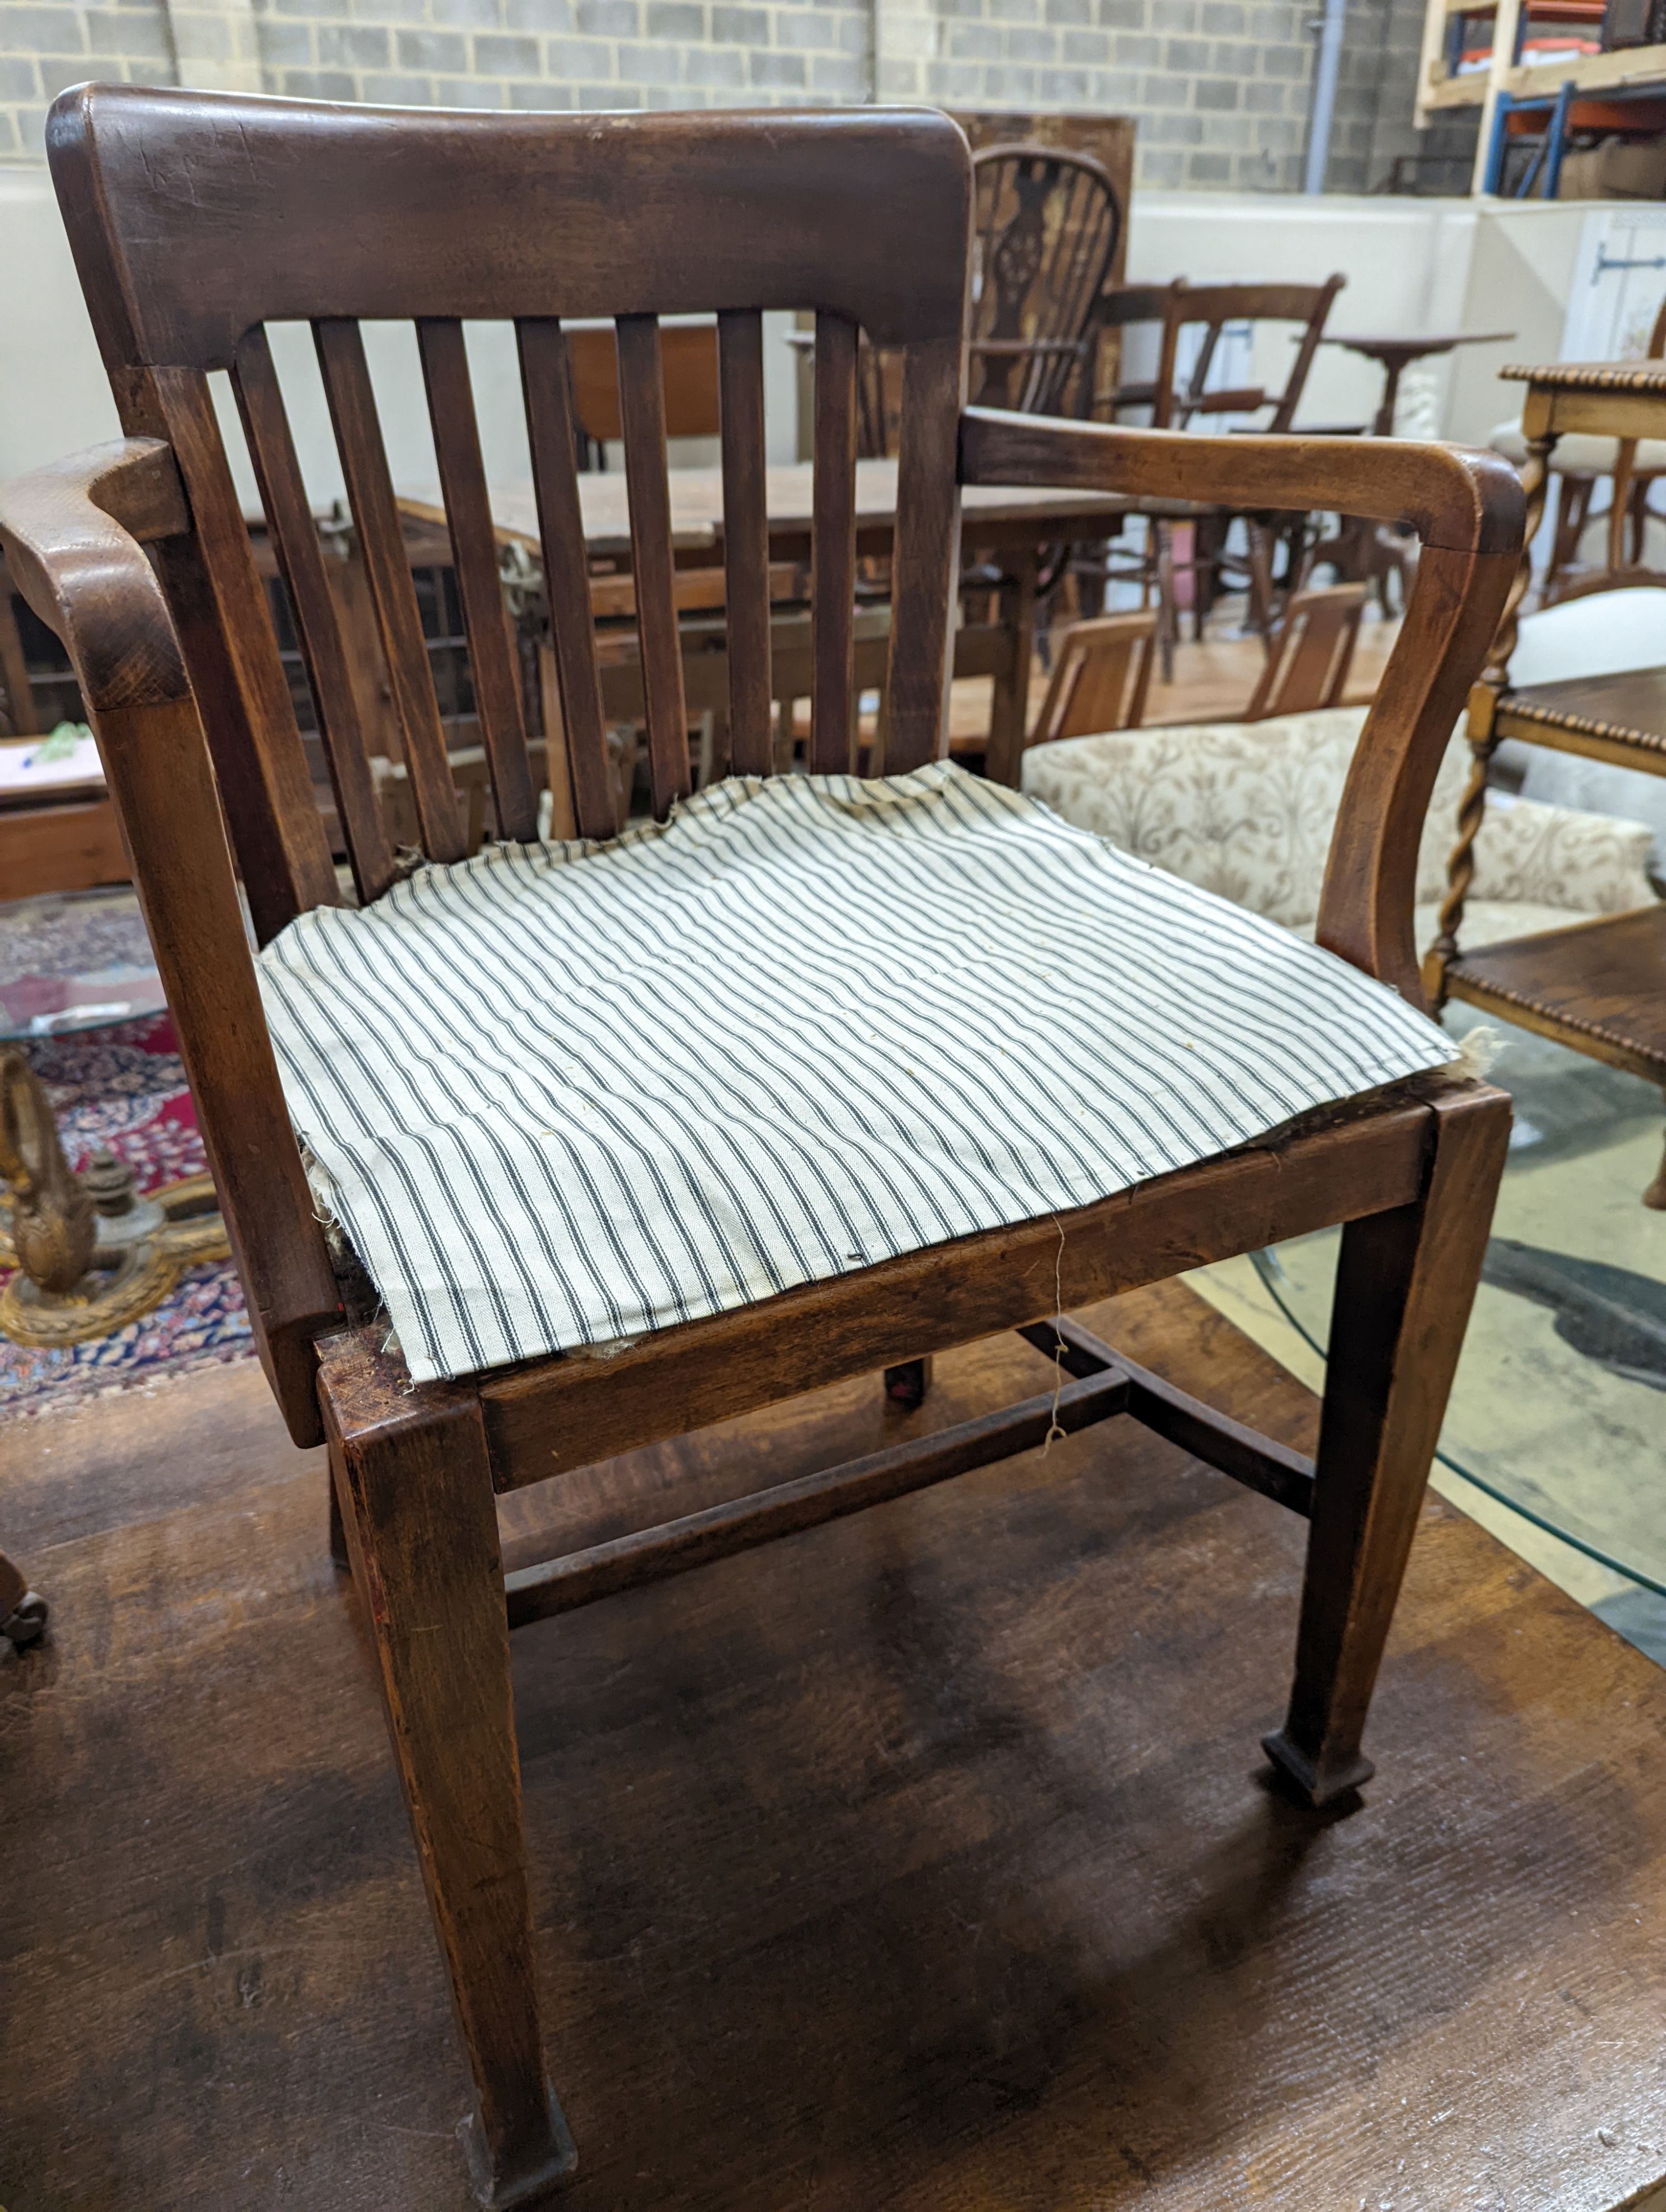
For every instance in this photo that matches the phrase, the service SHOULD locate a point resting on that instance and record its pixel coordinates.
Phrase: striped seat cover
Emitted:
(560, 1093)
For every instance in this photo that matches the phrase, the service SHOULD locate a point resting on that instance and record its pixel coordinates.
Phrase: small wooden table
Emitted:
(1016, 523)
(1599, 986)
(1394, 356)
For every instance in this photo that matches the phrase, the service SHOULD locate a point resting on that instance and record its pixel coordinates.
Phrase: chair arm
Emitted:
(1466, 508)
(1452, 496)
(74, 537)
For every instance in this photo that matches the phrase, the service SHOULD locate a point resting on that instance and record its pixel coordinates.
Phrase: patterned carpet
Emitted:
(124, 1087)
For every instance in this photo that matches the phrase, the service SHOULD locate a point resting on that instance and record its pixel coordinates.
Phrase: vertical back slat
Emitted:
(642, 420)
(544, 373)
(474, 549)
(925, 557)
(300, 561)
(221, 611)
(833, 547)
(745, 539)
(376, 518)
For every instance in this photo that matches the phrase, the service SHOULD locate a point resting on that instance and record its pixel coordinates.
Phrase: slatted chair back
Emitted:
(1310, 654)
(1218, 308)
(1045, 230)
(1101, 674)
(197, 224)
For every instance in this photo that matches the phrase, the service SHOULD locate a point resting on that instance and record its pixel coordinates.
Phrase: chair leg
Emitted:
(421, 1527)
(1405, 1284)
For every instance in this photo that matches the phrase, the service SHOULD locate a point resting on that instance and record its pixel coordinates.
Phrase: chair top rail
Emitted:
(194, 216)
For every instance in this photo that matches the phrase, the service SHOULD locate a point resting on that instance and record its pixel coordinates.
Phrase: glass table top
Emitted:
(1559, 1408)
(74, 960)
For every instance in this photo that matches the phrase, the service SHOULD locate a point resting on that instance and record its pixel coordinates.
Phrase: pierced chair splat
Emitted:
(636, 1136)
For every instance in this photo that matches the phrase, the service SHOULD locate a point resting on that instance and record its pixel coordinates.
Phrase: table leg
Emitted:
(1009, 713)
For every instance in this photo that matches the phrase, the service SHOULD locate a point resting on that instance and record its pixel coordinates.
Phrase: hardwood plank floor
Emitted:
(924, 1862)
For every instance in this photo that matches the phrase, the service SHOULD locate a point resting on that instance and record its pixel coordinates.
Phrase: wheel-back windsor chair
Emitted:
(196, 219)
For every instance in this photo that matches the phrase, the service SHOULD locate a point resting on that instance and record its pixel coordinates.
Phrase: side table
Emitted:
(1599, 986)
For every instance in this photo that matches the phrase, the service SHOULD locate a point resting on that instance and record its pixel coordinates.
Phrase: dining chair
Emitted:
(1101, 676)
(614, 1136)
(1310, 653)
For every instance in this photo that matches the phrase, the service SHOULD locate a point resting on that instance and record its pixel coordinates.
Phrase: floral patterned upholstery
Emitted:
(1245, 809)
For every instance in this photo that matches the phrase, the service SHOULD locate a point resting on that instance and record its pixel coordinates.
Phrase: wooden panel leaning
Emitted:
(534, 219)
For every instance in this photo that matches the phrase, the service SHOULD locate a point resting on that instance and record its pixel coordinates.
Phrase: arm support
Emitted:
(74, 539)
(1465, 506)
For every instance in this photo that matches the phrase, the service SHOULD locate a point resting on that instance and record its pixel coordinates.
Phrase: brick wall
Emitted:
(568, 53)
(44, 47)
(1220, 88)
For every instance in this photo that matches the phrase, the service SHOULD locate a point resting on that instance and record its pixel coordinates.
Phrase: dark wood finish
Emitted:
(746, 541)
(219, 610)
(1310, 654)
(642, 408)
(1101, 677)
(414, 1494)
(810, 1501)
(474, 551)
(294, 537)
(927, 1853)
(545, 376)
(476, 215)
(1046, 223)
(1404, 1285)
(1260, 1463)
(833, 556)
(375, 518)
(545, 1420)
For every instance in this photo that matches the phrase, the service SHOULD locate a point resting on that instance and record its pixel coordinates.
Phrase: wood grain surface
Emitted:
(923, 1861)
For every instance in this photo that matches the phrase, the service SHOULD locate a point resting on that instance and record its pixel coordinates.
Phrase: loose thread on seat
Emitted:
(1058, 1340)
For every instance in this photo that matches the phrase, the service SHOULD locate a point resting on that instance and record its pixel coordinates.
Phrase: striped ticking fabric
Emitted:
(559, 1093)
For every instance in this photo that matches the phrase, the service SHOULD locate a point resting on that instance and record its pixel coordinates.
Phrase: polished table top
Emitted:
(990, 512)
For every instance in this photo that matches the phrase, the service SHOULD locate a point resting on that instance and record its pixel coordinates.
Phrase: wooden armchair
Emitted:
(194, 218)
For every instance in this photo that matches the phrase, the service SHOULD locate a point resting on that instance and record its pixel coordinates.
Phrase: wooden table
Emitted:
(1014, 524)
(1395, 354)
(1598, 986)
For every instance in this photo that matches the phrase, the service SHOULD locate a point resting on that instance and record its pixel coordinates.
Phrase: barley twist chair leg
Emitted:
(1405, 1283)
(421, 1523)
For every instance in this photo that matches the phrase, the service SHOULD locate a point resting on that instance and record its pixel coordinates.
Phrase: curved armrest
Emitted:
(74, 536)
(1452, 495)
(1466, 508)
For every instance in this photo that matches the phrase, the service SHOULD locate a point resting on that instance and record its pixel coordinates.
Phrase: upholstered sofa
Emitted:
(1246, 809)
